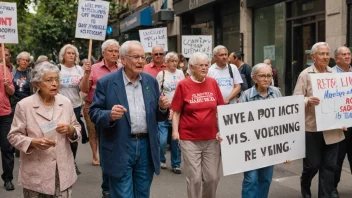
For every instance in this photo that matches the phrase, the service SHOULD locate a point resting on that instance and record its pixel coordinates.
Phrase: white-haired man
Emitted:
(321, 146)
(227, 75)
(157, 64)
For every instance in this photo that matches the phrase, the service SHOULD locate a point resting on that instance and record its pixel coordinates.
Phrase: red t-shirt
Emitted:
(197, 103)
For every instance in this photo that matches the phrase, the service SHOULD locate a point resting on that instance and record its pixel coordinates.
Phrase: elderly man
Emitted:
(127, 107)
(275, 81)
(244, 69)
(227, 75)
(343, 60)
(321, 146)
(110, 52)
(157, 64)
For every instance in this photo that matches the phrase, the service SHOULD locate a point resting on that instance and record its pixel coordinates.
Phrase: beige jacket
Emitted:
(38, 167)
(304, 87)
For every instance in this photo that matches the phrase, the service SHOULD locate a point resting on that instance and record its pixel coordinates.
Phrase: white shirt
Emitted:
(225, 82)
(170, 83)
(69, 85)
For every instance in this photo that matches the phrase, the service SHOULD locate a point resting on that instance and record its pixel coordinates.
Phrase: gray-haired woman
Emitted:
(42, 129)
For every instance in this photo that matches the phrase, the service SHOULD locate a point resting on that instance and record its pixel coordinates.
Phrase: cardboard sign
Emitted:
(335, 93)
(261, 133)
(193, 44)
(8, 23)
(92, 19)
(152, 37)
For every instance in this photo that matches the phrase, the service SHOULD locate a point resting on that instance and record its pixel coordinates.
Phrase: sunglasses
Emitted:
(158, 54)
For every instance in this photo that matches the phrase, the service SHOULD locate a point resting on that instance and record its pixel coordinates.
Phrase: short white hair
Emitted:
(125, 47)
(316, 45)
(108, 43)
(39, 71)
(171, 55)
(23, 54)
(217, 48)
(258, 67)
(41, 58)
(63, 51)
(156, 46)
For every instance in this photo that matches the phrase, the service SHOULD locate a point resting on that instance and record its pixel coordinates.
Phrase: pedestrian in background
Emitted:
(274, 81)
(183, 65)
(157, 64)
(194, 124)
(46, 163)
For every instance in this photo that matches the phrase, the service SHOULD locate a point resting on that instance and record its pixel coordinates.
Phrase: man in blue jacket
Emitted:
(126, 107)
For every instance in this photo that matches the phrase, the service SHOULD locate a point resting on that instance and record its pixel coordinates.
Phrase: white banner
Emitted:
(261, 133)
(335, 93)
(8, 23)
(92, 19)
(152, 37)
(193, 44)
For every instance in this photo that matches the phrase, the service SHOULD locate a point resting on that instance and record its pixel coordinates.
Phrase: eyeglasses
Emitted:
(52, 80)
(137, 58)
(158, 54)
(262, 77)
(27, 60)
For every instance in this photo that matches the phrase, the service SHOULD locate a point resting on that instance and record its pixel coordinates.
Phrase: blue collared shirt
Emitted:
(253, 95)
(339, 70)
(136, 104)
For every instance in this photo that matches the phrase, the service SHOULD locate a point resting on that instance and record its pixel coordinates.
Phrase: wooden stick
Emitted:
(3, 59)
(90, 50)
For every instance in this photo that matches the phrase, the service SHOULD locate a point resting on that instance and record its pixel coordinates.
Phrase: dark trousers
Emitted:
(345, 147)
(74, 145)
(7, 151)
(319, 157)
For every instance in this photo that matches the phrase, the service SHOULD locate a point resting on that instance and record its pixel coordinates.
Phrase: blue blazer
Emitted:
(115, 136)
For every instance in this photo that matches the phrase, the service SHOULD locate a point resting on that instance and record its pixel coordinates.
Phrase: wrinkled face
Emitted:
(172, 63)
(344, 57)
(200, 69)
(221, 57)
(322, 56)
(69, 55)
(134, 61)
(49, 86)
(158, 55)
(263, 77)
(23, 62)
(111, 53)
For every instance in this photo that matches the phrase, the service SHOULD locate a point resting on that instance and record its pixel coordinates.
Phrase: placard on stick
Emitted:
(152, 37)
(261, 133)
(8, 23)
(92, 19)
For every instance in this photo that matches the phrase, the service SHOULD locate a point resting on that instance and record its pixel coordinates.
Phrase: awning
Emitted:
(140, 18)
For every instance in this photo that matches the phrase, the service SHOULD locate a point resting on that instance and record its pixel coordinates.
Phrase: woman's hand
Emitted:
(218, 137)
(287, 162)
(42, 143)
(313, 101)
(65, 129)
(175, 135)
(344, 128)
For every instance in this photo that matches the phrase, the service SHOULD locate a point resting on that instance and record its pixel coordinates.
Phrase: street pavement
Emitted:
(168, 185)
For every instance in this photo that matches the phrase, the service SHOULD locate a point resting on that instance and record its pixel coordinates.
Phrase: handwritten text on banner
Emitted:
(92, 19)
(152, 37)
(335, 93)
(261, 133)
(193, 44)
(8, 23)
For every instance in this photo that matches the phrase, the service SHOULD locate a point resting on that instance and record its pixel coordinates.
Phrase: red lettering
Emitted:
(320, 84)
(6, 21)
(348, 100)
(345, 108)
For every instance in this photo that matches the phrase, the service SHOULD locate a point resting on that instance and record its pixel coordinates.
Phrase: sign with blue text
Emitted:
(92, 19)
(8, 23)
(335, 93)
(261, 133)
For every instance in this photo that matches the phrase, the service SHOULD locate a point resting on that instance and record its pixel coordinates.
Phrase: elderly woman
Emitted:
(194, 124)
(41, 58)
(183, 65)
(42, 129)
(168, 80)
(321, 146)
(256, 183)
(70, 75)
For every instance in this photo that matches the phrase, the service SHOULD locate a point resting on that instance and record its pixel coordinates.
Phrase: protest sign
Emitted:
(335, 93)
(193, 44)
(152, 37)
(8, 23)
(92, 19)
(261, 133)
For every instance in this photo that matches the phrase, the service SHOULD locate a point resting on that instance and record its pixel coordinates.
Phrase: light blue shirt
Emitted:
(339, 70)
(135, 104)
(253, 95)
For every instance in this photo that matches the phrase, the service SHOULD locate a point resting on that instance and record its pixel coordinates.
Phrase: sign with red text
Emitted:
(8, 23)
(335, 93)
(261, 133)
(92, 19)
(193, 44)
(152, 37)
